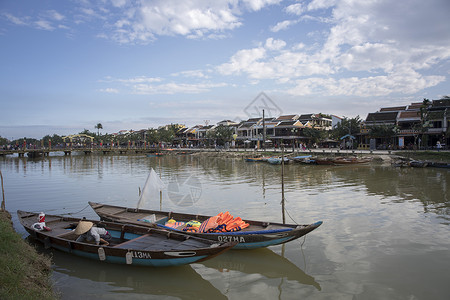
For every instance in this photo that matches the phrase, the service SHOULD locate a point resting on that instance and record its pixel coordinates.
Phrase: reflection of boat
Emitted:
(137, 245)
(80, 278)
(438, 165)
(155, 154)
(256, 159)
(258, 234)
(351, 160)
(274, 266)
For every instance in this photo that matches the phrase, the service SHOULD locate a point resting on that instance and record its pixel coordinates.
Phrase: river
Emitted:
(385, 232)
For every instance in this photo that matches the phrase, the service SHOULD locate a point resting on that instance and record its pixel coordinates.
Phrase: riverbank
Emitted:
(24, 273)
(383, 155)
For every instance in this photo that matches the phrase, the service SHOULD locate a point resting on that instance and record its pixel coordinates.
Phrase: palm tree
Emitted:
(98, 127)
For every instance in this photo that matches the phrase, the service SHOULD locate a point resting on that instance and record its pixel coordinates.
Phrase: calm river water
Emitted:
(385, 233)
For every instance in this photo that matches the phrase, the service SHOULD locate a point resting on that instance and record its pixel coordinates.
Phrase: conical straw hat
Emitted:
(83, 227)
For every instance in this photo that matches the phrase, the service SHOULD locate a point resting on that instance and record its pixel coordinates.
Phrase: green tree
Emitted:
(384, 131)
(98, 127)
(314, 135)
(347, 126)
(221, 134)
(422, 127)
(3, 141)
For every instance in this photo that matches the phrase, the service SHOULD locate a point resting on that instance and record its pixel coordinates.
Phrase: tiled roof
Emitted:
(382, 117)
(415, 105)
(289, 123)
(396, 108)
(441, 103)
(287, 117)
(409, 114)
(306, 117)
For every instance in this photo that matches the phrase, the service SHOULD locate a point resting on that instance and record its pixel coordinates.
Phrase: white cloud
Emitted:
(283, 25)
(371, 48)
(272, 44)
(147, 21)
(191, 74)
(53, 14)
(45, 25)
(16, 20)
(110, 90)
(295, 9)
(259, 4)
(174, 88)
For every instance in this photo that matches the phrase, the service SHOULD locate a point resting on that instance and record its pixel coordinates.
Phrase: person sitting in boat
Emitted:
(89, 233)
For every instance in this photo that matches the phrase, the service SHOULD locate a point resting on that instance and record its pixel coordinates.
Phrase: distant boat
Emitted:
(129, 244)
(277, 160)
(304, 159)
(325, 161)
(351, 160)
(418, 164)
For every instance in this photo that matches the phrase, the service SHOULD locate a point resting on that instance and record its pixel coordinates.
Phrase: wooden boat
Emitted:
(130, 244)
(418, 164)
(277, 160)
(325, 161)
(438, 165)
(304, 159)
(257, 235)
(350, 160)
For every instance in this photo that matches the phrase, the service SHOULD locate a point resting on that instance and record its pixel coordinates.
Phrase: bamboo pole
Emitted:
(3, 207)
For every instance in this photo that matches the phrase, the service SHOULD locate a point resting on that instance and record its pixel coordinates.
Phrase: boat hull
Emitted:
(130, 244)
(257, 235)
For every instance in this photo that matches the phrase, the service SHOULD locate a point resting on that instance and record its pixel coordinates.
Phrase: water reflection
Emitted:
(263, 262)
(385, 231)
(119, 280)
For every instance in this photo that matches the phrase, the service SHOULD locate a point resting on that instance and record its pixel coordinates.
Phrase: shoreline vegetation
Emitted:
(26, 274)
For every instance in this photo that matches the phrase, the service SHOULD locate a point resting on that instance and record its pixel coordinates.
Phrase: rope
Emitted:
(73, 213)
(285, 209)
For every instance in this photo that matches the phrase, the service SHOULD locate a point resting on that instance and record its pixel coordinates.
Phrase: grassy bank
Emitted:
(434, 156)
(24, 274)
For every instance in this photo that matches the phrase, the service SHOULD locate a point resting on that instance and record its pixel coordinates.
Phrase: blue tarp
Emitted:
(348, 136)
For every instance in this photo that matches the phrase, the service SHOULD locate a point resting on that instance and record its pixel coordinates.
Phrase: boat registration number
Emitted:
(139, 254)
(229, 238)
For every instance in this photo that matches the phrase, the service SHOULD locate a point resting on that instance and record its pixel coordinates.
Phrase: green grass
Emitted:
(435, 156)
(24, 274)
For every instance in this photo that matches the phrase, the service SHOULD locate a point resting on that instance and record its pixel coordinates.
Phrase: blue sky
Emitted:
(68, 65)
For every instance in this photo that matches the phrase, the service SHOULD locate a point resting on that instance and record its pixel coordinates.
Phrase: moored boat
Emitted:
(258, 234)
(418, 164)
(277, 160)
(351, 160)
(325, 161)
(129, 244)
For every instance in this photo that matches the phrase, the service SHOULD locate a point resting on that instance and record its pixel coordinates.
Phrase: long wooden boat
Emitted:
(277, 160)
(351, 160)
(130, 244)
(324, 161)
(257, 235)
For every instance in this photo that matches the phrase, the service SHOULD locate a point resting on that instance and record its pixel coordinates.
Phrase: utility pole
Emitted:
(264, 132)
